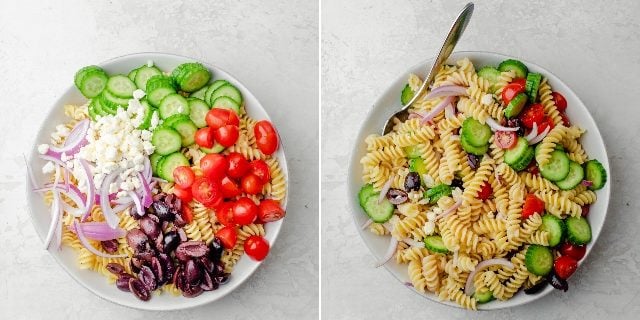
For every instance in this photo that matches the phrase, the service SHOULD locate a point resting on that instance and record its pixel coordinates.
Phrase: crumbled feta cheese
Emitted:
(155, 120)
(138, 94)
(62, 130)
(149, 63)
(113, 188)
(48, 168)
(428, 180)
(431, 214)
(429, 227)
(487, 99)
(456, 194)
(43, 148)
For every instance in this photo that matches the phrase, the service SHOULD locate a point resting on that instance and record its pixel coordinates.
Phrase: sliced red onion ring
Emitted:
(147, 197)
(100, 231)
(413, 243)
(455, 137)
(541, 136)
(366, 224)
(449, 112)
(91, 190)
(137, 202)
(56, 215)
(495, 126)
(436, 110)
(393, 245)
(57, 161)
(73, 142)
(147, 169)
(533, 133)
(469, 288)
(385, 189)
(449, 211)
(34, 183)
(109, 215)
(414, 115)
(387, 225)
(85, 242)
(587, 183)
(112, 197)
(122, 207)
(72, 193)
(446, 91)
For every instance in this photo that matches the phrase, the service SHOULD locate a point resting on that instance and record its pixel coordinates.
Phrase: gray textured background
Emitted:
(592, 46)
(271, 47)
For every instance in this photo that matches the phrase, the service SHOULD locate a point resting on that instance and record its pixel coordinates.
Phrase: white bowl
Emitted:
(384, 107)
(67, 257)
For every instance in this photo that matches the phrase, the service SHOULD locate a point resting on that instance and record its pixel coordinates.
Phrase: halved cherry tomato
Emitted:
(183, 194)
(183, 176)
(266, 137)
(533, 114)
(565, 266)
(546, 122)
(485, 192)
(270, 210)
(506, 139)
(245, 211)
(256, 247)
(261, 169)
(186, 213)
(227, 135)
(532, 204)
(217, 118)
(204, 137)
(511, 90)
(585, 210)
(520, 81)
(214, 166)
(238, 165)
(224, 213)
(565, 119)
(561, 102)
(230, 188)
(573, 251)
(207, 192)
(251, 184)
(228, 236)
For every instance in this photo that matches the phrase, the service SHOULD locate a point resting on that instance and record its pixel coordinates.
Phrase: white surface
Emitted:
(578, 113)
(271, 48)
(592, 47)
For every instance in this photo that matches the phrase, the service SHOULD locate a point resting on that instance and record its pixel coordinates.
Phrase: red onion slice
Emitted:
(436, 110)
(85, 242)
(55, 217)
(385, 189)
(73, 142)
(122, 207)
(413, 243)
(393, 245)
(449, 112)
(541, 136)
(495, 126)
(469, 288)
(32, 178)
(366, 224)
(91, 190)
(137, 202)
(73, 193)
(449, 211)
(109, 215)
(587, 183)
(446, 91)
(147, 197)
(533, 133)
(414, 115)
(100, 231)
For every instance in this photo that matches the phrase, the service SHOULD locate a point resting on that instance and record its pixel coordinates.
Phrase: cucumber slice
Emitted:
(406, 94)
(557, 168)
(520, 155)
(596, 173)
(438, 192)
(111, 101)
(531, 86)
(434, 243)
(166, 141)
(92, 82)
(168, 163)
(378, 212)
(169, 122)
(491, 74)
(198, 110)
(154, 158)
(95, 109)
(158, 87)
(200, 93)
(226, 103)
(77, 78)
(226, 90)
(412, 152)
(173, 104)
(483, 295)
(518, 67)
(132, 74)
(365, 192)
(578, 230)
(539, 260)
(515, 106)
(559, 147)
(143, 75)
(217, 148)
(575, 176)
(417, 165)
(187, 129)
(191, 76)
(121, 86)
(99, 109)
(466, 146)
(148, 114)
(212, 88)
(476, 133)
(555, 227)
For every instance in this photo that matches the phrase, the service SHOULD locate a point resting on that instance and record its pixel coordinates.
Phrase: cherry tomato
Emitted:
(245, 211)
(511, 90)
(224, 213)
(251, 184)
(183, 194)
(217, 118)
(214, 166)
(520, 81)
(506, 139)
(561, 102)
(266, 137)
(533, 114)
(256, 247)
(585, 210)
(532, 204)
(204, 137)
(565, 119)
(565, 266)
(230, 188)
(228, 236)
(207, 192)
(186, 213)
(261, 169)
(546, 122)
(183, 176)
(227, 135)
(238, 165)
(573, 251)
(485, 192)
(270, 210)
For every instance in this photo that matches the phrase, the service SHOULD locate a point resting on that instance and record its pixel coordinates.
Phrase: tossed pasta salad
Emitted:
(485, 189)
(161, 181)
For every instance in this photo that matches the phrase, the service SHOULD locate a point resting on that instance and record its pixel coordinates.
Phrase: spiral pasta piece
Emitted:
(548, 103)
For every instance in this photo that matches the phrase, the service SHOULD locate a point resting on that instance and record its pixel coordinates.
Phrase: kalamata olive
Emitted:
(207, 282)
(512, 123)
(148, 278)
(183, 235)
(176, 274)
(123, 282)
(137, 240)
(110, 246)
(192, 292)
(412, 182)
(557, 282)
(179, 221)
(397, 196)
(457, 183)
(207, 264)
(221, 279)
(171, 241)
(163, 211)
(159, 243)
(145, 256)
(136, 264)
(167, 267)
(181, 282)
(149, 227)
(139, 290)
(158, 271)
(191, 249)
(537, 287)
(215, 250)
(219, 269)
(472, 160)
(193, 273)
(115, 268)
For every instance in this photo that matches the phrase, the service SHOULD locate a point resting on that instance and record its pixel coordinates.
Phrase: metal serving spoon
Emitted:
(447, 48)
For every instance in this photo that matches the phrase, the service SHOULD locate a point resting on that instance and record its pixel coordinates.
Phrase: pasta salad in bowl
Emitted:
(158, 182)
(493, 190)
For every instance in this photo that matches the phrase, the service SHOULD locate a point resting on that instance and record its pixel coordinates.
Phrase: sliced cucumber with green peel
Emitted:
(468, 147)
(378, 212)
(226, 90)
(198, 110)
(434, 243)
(132, 74)
(166, 141)
(514, 65)
(187, 130)
(154, 158)
(417, 165)
(437, 192)
(483, 295)
(158, 87)
(172, 104)
(365, 192)
(574, 178)
(531, 85)
(217, 148)
(170, 162)
(112, 102)
(148, 114)
(95, 109)
(412, 152)
(121, 86)
(191, 76)
(200, 93)
(406, 95)
(475, 133)
(143, 75)
(520, 155)
(557, 168)
(491, 74)
(226, 103)
(212, 88)
(596, 173)
(539, 260)
(91, 81)
(578, 230)
(555, 227)
(515, 106)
